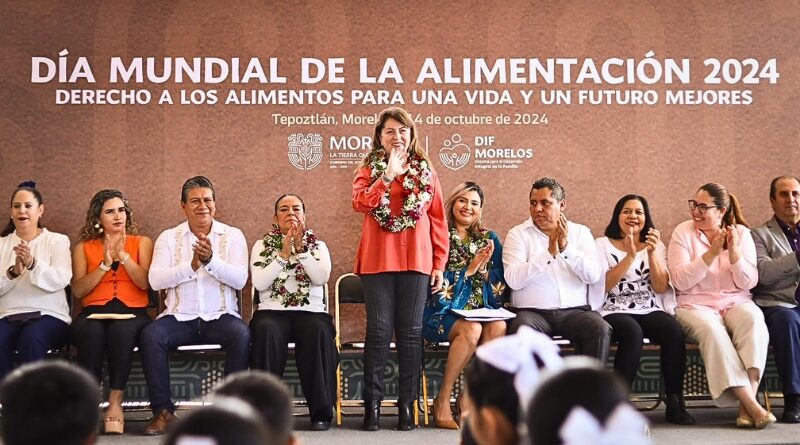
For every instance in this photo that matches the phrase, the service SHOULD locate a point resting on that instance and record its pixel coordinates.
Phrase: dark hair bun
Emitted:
(29, 184)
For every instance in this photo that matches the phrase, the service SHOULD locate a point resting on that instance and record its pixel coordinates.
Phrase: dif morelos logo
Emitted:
(305, 150)
(455, 154)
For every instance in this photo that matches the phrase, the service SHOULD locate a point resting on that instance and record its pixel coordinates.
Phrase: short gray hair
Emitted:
(197, 182)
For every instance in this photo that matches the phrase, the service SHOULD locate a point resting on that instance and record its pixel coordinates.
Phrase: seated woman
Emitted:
(109, 277)
(34, 314)
(474, 280)
(712, 261)
(635, 295)
(290, 267)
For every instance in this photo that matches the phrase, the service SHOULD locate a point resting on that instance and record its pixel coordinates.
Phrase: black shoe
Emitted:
(320, 425)
(676, 410)
(791, 409)
(405, 419)
(372, 416)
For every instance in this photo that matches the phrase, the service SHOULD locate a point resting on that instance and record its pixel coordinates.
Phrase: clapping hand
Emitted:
(481, 259)
(23, 259)
(718, 245)
(629, 242)
(563, 232)
(397, 164)
(652, 240)
(117, 249)
(299, 238)
(202, 251)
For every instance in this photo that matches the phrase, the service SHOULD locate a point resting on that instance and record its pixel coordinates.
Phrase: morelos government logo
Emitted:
(305, 150)
(455, 154)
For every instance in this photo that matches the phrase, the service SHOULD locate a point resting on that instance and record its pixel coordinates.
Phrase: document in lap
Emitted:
(111, 316)
(485, 314)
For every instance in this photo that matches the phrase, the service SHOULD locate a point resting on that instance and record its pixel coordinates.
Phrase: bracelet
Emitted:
(104, 267)
(126, 259)
(204, 263)
(33, 264)
(386, 180)
(10, 272)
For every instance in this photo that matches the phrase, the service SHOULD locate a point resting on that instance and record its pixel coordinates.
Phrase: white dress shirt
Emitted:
(540, 281)
(40, 289)
(318, 271)
(210, 291)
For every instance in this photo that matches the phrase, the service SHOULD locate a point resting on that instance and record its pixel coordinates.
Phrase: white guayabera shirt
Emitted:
(210, 291)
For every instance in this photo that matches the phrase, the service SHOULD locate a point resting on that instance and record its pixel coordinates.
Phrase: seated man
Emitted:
(549, 264)
(202, 263)
(778, 248)
(49, 402)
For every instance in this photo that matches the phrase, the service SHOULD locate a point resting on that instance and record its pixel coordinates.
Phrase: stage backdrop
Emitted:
(265, 98)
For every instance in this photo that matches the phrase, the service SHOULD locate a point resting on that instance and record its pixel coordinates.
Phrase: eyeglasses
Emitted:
(702, 208)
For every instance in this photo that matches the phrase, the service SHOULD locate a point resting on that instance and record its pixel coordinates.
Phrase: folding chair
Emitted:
(349, 291)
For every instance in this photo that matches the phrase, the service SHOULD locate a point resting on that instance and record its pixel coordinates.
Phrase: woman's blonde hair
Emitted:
(457, 192)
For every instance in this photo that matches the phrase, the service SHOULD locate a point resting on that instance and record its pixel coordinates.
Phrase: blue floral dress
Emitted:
(461, 292)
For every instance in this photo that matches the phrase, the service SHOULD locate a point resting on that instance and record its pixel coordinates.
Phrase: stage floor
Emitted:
(715, 426)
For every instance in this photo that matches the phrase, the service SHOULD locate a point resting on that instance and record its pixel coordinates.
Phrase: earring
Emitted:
(98, 228)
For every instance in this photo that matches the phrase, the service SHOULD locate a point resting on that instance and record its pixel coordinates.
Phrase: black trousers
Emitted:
(629, 330)
(117, 338)
(584, 327)
(394, 303)
(315, 352)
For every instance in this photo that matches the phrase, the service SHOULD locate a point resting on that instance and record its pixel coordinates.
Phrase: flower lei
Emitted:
(417, 191)
(273, 244)
(461, 254)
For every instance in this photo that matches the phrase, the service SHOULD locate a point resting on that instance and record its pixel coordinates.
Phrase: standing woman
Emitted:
(109, 268)
(34, 314)
(290, 268)
(712, 261)
(473, 279)
(637, 299)
(402, 253)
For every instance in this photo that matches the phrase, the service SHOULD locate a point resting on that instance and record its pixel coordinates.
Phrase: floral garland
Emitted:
(417, 191)
(461, 254)
(273, 244)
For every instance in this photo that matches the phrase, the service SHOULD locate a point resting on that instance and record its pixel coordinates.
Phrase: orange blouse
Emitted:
(114, 284)
(420, 249)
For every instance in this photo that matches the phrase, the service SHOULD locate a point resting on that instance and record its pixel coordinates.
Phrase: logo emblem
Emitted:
(305, 150)
(455, 154)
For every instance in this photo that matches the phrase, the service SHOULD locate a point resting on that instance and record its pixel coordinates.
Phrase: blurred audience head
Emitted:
(228, 421)
(268, 396)
(584, 405)
(501, 380)
(49, 402)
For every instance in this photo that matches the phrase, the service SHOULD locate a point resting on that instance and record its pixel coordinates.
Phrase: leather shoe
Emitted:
(372, 415)
(447, 424)
(744, 422)
(764, 421)
(676, 410)
(159, 423)
(405, 419)
(320, 425)
(791, 409)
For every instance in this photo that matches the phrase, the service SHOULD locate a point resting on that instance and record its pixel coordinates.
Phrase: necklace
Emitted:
(416, 193)
(273, 244)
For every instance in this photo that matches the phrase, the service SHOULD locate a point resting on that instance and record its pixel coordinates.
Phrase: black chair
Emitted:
(349, 291)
